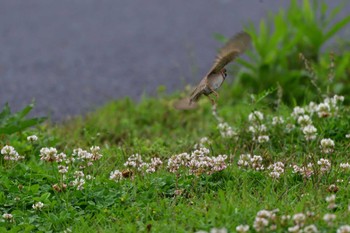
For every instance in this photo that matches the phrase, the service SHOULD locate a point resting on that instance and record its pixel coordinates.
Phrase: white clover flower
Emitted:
(256, 117)
(306, 172)
(264, 214)
(116, 176)
(331, 202)
(294, 229)
(325, 165)
(10, 153)
(347, 135)
(79, 183)
(218, 230)
(263, 138)
(256, 163)
(244, 160)
(345, 166)
(310, 229)
(277, 120)
(299, 219)
(312, 108)
(344, 229)
(304, 120)
(38, 206)
(310, 132)
(62, 169)
(78, 174)
(297, 111)
(277, 170)
(226, 131)
(95, 151)
(260, 224)
(257, 129)
(32, 138)
(329, 218)
(242, 228)
(7, 216)
(327, 145)
(323, 110)
(48, 154)
(289, 128)
(134, 161)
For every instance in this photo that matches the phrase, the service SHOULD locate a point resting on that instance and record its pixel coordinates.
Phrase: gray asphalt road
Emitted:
(73, 55)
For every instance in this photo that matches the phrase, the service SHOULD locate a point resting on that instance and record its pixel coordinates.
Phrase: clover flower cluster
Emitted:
(305, 171)
(265, 220)
(198, 162)
(8, 217)
(248, 161)
(242, 228)
(325, 165)
(257, 128)
(226, 131)
(214, 230)
(345, 167)
(331, 202)
(135, 162)
(38, 206)
(327, 145)
(277, 169)
(80, 159)
(10, 153)
(277, 120)
(32, 138)
(329, 218)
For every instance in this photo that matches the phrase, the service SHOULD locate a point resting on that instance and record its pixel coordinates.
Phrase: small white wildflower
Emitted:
(327, 145)
(329, 218)
(347, 135)
(297, 111)
(89, 177)
(345, 166)
(32, 138)
(331, 202)
(256, 117)
(10, 153)
(95, 151)
(310, 132)
(48, 154)
(244, 160)
(226, 131)
(242, 228)
(78, 174)
(310, 229)
(323, 110)
(299, 219)
(344, 229)
(116, 175)
(312, 108)
(304, 120)
(256, 163)
(277, 120)
(325, 165)
(7, 216)
(79, 183)
(260, 224)
(38, 206)
(263, 138)
(62, 169)
(218, 230)
(294, 229)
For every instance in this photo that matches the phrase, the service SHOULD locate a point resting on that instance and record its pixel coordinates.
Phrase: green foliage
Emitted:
(17, 122)
(305, 28)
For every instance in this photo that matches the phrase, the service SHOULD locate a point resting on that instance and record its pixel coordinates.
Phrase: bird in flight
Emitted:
(217, 74)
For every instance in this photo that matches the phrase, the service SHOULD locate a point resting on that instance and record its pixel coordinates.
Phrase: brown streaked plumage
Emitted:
(217, 74)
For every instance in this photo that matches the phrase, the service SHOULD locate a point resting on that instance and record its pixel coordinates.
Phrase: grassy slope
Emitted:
(153, 128)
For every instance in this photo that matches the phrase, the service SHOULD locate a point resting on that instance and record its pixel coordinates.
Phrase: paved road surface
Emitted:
(74, 55)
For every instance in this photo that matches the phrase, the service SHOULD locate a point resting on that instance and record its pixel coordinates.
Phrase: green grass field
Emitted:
(278, 174)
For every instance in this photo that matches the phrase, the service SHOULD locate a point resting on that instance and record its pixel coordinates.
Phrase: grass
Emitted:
(175, 202)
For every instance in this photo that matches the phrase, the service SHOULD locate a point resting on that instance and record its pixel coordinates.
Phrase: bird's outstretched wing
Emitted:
(231, 50)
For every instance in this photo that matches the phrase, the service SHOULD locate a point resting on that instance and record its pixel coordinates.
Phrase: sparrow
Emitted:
(237, 45)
